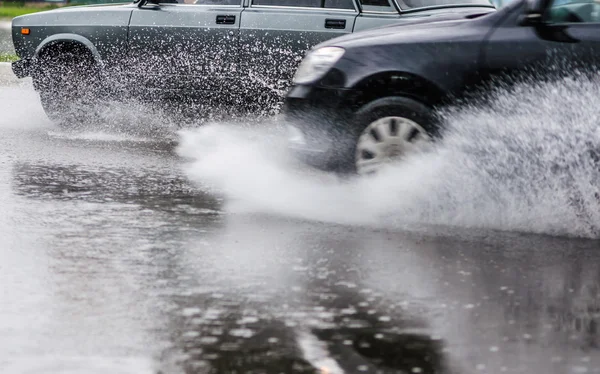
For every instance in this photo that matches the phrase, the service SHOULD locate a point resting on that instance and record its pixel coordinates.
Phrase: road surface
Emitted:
(112, 261)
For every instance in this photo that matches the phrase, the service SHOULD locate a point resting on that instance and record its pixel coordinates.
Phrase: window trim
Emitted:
(355, 10)
(240, 5)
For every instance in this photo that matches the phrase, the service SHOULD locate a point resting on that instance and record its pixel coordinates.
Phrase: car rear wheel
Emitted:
(389, 129)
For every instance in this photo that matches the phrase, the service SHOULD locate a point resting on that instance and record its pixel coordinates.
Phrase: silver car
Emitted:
(232, 54)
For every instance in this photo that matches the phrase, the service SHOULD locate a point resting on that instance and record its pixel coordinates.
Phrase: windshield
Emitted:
(414, 4)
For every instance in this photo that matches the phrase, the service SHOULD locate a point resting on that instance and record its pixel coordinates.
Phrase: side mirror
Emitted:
(533, 15)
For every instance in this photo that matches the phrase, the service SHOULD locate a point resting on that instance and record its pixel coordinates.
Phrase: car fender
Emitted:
(397, 83)
(439, 68)
(70, 38)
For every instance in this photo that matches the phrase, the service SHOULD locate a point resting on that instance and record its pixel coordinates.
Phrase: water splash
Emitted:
(524, 162)
(108, 120)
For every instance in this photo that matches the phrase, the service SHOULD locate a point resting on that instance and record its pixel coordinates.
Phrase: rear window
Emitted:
(377, 6)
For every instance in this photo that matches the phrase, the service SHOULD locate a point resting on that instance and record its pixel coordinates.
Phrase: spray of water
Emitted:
(525, 161)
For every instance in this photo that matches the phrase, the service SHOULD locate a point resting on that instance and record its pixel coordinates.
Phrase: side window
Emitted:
(574, 11)
(217, 2)
(377, 6)
(330, 4)
(339, 4)
(203, 2)
(290, 3)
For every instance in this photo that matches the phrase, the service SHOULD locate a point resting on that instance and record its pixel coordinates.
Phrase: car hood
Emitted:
(85, 8)
(414, 28)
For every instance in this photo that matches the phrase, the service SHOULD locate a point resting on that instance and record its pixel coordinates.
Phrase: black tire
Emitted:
(414, 110)
(68, 82)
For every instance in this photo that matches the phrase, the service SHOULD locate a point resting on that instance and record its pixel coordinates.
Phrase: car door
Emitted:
(185, 45)
(566, 36)
(276, 34)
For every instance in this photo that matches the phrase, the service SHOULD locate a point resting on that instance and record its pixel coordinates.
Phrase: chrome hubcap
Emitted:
(387, 140)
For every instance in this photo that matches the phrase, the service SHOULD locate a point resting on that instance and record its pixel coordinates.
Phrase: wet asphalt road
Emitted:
(112, 262)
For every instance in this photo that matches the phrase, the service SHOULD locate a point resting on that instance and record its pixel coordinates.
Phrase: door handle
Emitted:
(225, 19)
(335, 23)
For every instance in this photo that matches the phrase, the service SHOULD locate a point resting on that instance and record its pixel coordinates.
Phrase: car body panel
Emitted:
(442, 49)
(413, 22)
(184, 42)
(104, 27)
(370, 21)
(273, 41)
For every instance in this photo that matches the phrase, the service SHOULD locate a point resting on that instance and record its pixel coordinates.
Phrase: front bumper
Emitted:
(22, 68)
(319, 122)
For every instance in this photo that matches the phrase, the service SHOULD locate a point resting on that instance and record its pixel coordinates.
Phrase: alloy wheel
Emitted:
(387, 140)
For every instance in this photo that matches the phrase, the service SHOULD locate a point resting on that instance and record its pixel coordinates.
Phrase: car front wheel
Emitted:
(68, 82)
(388, 130)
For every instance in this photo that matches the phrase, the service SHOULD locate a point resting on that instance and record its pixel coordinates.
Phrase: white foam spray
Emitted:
(523, 162)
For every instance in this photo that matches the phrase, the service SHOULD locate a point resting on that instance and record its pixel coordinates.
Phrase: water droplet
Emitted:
(191, 334)
(208, 340)
(248, 319)
(187, 312)
(243, 333)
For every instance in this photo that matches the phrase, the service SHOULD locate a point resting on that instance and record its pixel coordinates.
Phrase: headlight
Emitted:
(317, 63)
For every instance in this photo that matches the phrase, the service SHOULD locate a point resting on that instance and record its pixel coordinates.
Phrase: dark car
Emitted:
(218, 53)
(363, 100)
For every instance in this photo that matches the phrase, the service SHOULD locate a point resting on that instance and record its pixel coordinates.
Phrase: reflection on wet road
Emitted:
(112, 262)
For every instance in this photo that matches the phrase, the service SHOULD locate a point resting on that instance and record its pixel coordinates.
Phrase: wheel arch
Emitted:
(69, 41)
(397, 83)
